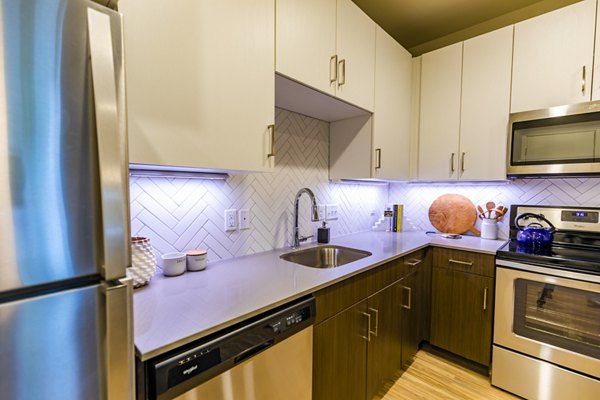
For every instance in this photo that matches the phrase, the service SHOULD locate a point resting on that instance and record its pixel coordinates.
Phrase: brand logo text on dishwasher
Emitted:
(190, 370)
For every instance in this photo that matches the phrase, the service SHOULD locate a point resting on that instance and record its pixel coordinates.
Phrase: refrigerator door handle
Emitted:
(119, 352)
(112, 149)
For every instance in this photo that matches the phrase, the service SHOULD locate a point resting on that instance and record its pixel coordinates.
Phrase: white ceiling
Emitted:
(424, 25)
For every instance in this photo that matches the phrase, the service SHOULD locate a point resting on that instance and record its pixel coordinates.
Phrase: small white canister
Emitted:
(489, 229)
(196, 259)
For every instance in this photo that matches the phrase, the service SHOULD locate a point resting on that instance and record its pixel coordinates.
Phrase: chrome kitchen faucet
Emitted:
(314, 218)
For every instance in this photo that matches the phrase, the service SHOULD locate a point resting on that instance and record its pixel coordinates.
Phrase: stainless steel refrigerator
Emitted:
(65, 307)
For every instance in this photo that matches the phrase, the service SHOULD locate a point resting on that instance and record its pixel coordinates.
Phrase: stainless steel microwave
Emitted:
(558, 141)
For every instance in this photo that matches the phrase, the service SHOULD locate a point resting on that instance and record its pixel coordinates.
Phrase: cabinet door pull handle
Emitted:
(583, 81)
(452, 163)
(368, 337)
(333, 72)
(462, 162)
(342, 75)
(468, 263)
(377, 158)
(485, 299)
(271, 129)
(409, 290)
(376, 321)
(413, 262)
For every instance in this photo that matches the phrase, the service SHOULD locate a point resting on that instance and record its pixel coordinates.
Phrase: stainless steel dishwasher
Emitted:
(265, 358)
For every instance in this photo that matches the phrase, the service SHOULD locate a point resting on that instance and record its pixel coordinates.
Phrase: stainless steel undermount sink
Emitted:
(328, 256)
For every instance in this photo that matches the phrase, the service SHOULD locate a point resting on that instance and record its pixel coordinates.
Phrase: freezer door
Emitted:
(70, 345)
(62, 143)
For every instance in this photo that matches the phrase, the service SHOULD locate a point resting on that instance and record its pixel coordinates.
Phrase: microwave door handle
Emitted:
(112, 157)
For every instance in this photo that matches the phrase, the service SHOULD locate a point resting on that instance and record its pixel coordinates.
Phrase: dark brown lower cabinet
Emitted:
(360, 348)
(384, 345)
(340, 355)
(462, 303)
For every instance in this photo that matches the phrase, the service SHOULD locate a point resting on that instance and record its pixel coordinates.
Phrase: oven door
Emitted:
(548, 317)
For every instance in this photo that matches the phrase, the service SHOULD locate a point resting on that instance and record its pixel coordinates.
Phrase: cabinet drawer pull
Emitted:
(413, 262)
(452, 163)
(368, 337)
(271, 129)
(468, 263)
(485, 299)
(333, 72)
(377, 158)
(583, 81)
(342, 75)
(409, 290)
(376, 321)
(462, 162)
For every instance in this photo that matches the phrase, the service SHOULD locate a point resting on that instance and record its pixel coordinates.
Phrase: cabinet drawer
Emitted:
(465, 261)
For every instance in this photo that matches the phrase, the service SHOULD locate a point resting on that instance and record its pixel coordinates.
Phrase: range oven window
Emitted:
(564, 317)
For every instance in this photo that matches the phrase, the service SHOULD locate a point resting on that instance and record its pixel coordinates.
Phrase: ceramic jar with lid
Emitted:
(196, 259)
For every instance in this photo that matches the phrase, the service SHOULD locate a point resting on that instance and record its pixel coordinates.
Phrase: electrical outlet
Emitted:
(244, 218)
(332, 212)
(230, 220)
(321, 209)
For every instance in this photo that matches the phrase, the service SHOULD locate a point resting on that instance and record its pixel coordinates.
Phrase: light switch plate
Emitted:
(230, 220)
(321, 208)
(244, 218)
(332, 212)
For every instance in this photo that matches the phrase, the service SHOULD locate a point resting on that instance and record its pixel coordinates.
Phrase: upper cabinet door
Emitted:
(305, 46)
(440, 113)
(553, 56)
(596, 77)
(200, 82)
(356, 55)
(391, 119)
(487, 61)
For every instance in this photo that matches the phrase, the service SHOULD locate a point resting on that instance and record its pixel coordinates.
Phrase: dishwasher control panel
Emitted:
(290, 320)
(191, 365)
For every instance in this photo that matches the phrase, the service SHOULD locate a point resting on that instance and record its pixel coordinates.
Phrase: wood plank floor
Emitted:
(432, 377)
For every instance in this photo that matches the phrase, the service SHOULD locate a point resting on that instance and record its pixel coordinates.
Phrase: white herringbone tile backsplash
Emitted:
(179, 214)
(566, 192)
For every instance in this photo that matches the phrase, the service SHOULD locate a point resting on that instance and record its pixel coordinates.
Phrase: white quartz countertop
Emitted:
(173, 311)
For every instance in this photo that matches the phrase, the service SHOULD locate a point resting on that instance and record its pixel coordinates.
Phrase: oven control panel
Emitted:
(579, 216)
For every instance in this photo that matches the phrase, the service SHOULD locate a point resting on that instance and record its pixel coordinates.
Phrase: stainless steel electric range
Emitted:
(547, 309)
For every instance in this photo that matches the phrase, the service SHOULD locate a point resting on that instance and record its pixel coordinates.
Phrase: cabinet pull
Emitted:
(368, 337)
(583, 81)
(376, 321)
(462, 162)
(333, 72)
(485, 299)
(468, 263)
(407, 306)
(271, 129)
(377, 158)
(452, 163)
(413, 262)
(342, 75)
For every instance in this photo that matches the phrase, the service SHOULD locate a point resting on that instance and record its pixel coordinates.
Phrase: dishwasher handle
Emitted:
(244, 355)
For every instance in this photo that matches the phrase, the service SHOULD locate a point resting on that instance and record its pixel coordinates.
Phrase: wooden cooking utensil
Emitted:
(453, 213)
(490, 205)
(481, 212)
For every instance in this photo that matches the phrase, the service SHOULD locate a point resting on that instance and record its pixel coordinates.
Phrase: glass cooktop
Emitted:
(572, 257)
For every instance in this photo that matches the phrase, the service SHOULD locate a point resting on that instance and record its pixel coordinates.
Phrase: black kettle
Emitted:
(534, 234)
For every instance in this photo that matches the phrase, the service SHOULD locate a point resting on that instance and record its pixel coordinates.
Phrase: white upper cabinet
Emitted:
(305, 42)
(391, 120)
(440, 113)
(356, 55)
(553, 55)
(200, 83)
(328, 45)
(485, 105)
(465, 97)
(596, 77)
